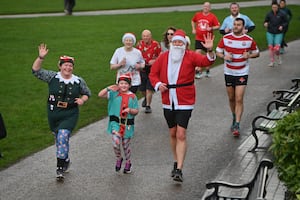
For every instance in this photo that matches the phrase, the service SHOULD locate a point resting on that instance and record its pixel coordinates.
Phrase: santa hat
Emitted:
(125, 77)
(64, 59)
(179, 35)
(188, 40)
(129, 35)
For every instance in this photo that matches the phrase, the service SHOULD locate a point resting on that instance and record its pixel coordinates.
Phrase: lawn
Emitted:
(37, 6)
(92, 41)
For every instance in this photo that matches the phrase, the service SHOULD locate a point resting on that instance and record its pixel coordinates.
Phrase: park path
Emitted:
(211, 146)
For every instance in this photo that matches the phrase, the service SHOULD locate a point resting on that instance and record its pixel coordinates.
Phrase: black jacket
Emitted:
(275, 20)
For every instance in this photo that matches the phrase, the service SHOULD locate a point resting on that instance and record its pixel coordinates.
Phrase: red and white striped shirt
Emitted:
(236, 46)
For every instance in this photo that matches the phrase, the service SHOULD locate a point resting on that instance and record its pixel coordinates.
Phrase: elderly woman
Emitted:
(128, 59)
(66, 92)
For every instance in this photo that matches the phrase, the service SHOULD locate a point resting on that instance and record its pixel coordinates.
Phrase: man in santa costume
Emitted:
(173, 75)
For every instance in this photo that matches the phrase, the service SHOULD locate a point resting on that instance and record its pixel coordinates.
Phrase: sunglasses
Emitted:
(170, 33)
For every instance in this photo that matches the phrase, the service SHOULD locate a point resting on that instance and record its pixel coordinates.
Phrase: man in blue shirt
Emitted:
(227, 24)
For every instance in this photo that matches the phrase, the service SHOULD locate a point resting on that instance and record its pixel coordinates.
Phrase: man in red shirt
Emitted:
(173, 75)
(202, 23)
(150, 51)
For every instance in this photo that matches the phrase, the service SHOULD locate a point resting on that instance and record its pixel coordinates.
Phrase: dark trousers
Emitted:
(2, 130)
(69, 5)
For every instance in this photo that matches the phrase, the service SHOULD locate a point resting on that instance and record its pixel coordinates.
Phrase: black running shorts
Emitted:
(177, 117)
(232, 81)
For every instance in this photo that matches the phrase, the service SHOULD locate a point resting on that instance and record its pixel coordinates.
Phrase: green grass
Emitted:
(92, 41)
(37, 6)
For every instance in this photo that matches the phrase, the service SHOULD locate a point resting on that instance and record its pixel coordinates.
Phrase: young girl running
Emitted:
(122, 108)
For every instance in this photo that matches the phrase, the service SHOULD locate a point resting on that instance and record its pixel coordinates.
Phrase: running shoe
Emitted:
(60, 173)
(144, 103)
(174, 169)
(236, 131)
(271, 64)
(279, 60)
(119, 164)
(67, 165)
(127, 168)
(207, 75)
(198, 75)
(178, 175)
(148, 109)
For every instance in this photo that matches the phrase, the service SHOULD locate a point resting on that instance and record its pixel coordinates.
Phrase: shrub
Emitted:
(286, 151)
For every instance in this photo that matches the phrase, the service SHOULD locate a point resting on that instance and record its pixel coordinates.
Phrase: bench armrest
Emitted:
(276, 104)
(281, 92)
(262, 117)
(265, 164)
(296, 82)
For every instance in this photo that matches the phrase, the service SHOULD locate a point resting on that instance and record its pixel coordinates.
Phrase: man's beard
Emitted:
(237, 31)
(177, 52)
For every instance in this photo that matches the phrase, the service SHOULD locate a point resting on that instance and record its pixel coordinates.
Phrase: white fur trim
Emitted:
(130, 35)
(178, 37)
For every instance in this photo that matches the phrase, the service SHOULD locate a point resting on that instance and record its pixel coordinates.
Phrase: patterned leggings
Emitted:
(62, 143)
(117, 140)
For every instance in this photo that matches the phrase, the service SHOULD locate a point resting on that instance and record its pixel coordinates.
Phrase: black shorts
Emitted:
(232, 81)
(134, 89)
(198, 45)
(145, 82)
(177, 117)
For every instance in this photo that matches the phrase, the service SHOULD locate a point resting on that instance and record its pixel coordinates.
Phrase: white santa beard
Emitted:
(177, 52)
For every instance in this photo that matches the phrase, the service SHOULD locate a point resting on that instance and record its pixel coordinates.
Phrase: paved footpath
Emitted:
(211, 147)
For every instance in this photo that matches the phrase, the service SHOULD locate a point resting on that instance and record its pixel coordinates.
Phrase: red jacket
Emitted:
(184, 97)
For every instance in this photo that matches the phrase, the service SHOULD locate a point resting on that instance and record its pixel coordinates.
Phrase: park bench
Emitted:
(266, 123)
(254, 189)
(287, 94)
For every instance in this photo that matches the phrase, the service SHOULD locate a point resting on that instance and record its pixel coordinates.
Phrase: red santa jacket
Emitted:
(184, 95)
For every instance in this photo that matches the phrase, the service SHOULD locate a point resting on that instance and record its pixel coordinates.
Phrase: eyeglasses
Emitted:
(170, 33)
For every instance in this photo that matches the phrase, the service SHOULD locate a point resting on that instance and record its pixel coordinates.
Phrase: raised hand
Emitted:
(208, 41)
(43, 51)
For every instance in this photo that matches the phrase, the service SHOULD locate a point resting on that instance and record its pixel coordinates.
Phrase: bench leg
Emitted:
(256, 139)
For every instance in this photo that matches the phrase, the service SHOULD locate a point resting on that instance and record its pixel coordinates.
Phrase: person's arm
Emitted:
(250, 54)
(290, 15)
(80, 101)
(285, 22)
(227, 57)
(250, 28)
(118, 65)
(215, 27)
(223, 27)
(103, 93)
(222, 32)
(193, 27)
(132, 111)
(216, 24)
(154, 75)
(43, 51)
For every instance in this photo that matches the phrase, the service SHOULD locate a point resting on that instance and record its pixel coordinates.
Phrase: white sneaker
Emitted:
(271, 64)
(198, 75)
(279, 61)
